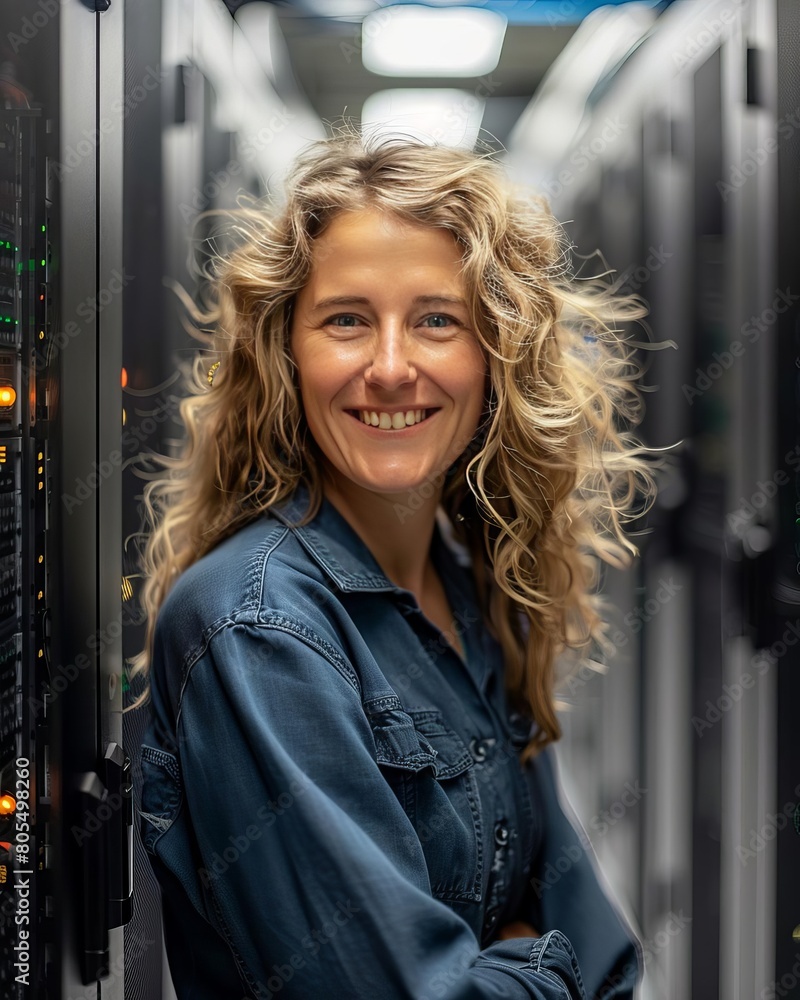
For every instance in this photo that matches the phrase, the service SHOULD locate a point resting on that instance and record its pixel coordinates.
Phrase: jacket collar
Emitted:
(345, 558)
(342, 553)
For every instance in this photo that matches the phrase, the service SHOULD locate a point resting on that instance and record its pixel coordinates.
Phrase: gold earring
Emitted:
(211, 371)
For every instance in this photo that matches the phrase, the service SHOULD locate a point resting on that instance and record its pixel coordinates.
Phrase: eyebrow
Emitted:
(346, 300)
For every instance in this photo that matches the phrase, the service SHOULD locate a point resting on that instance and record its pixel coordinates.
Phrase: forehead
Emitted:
(370, 236)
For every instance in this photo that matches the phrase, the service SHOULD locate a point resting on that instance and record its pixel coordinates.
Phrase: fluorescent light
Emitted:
(447, 116)
(339, 8)
(412, 40)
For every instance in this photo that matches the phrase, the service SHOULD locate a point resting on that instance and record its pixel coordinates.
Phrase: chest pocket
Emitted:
(431, 771)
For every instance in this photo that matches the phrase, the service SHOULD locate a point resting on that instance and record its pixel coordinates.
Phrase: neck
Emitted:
(398, 535)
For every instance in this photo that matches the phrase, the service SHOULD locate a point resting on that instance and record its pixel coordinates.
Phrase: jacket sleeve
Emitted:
(566, 890)
(309, 871)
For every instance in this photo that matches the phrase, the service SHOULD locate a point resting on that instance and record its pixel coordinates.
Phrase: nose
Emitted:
(391, 365)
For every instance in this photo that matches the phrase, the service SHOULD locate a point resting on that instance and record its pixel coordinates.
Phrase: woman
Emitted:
(376, 544)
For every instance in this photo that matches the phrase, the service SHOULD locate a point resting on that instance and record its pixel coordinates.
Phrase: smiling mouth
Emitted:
(397, 421)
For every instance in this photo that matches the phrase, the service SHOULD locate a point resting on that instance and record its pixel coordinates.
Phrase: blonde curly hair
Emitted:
(539, 495)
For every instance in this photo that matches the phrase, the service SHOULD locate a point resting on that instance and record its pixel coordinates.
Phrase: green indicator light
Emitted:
(31, 265)
(43, 229)
(44, 263)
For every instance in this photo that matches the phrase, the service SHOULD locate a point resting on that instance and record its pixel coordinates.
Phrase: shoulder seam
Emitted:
(278, 623)
(271, 543)
(254, 567)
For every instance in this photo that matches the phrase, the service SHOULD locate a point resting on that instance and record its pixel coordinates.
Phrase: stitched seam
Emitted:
(161, 833)
(470, 789)
(282, 624)
(194, 655)
(244, 972)
(411, 758)
(426, 715)
(462, 763)
(542, 945)
(282, 532)
(331, 561)
(162, 758)
(460, 766)
(255, 571)
(474, 802)
(375, 706)
(312, 542)
(474, 893)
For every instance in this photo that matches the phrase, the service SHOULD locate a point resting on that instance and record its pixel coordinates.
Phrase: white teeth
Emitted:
(392, 421)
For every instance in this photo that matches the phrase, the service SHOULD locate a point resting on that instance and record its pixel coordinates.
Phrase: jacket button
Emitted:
(501, 833)
(478, 749)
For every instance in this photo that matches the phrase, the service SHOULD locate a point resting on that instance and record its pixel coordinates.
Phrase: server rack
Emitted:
(65, 802)
(781, 574)
(27, 929)
(711, 96)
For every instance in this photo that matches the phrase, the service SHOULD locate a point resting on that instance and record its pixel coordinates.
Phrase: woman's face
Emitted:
(396, 342)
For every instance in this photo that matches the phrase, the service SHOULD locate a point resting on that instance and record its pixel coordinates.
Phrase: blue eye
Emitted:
(332, 320)
(441, 316)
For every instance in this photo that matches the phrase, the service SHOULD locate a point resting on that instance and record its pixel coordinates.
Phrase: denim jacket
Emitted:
(332, 799)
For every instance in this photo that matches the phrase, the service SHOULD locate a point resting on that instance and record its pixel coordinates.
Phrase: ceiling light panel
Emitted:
(412, 40)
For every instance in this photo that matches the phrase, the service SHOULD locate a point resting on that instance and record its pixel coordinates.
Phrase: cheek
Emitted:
(323, 380)
(470, 382)
(312, 371)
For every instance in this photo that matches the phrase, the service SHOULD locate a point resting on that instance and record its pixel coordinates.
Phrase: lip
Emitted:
(403, 432)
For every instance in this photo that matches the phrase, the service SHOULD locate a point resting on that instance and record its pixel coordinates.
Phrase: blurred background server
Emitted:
(666, 137)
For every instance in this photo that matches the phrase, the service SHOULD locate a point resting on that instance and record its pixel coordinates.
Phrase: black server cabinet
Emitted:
(65, 800)
(26, 343)
(781, 580)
